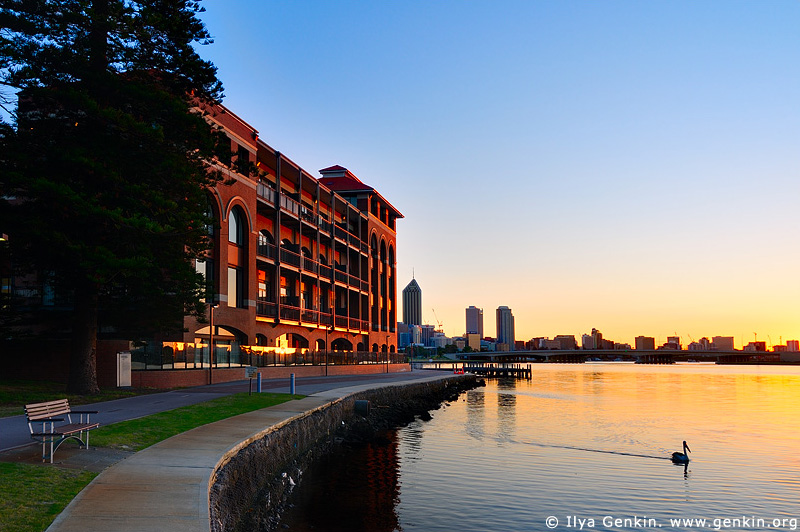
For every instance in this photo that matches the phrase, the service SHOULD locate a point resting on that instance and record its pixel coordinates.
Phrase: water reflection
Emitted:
(578, 440)
(506, 410)
(355, 490)
(475, 414)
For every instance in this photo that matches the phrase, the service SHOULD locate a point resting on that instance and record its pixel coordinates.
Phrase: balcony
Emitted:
(268, 251)
(266, 309)
(290, 257)
(324, 225)
(310, 265)
(266, 193)
(307, 215)
(289, 205)
(325, 272)
(340, 276)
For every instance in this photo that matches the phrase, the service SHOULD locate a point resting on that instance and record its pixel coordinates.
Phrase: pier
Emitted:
(488, 369)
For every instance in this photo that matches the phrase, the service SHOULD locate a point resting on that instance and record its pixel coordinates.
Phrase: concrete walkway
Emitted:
(165, 487)
(14, 430)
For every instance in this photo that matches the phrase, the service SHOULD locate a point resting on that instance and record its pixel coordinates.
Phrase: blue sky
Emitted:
(630, 166)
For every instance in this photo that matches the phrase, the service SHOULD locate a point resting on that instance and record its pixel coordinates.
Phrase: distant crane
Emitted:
(439, 323)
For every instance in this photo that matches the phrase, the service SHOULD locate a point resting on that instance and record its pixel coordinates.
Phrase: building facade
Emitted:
(412, 303)
(474, 321)
(298, 261)
(505, 326)
(645, 343)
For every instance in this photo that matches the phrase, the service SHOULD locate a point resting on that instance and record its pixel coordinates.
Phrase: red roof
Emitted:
(340, 179)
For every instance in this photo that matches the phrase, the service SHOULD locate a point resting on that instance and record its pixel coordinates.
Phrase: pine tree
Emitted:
(106, 167)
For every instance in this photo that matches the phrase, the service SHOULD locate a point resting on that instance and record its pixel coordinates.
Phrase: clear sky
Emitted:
(626, 165)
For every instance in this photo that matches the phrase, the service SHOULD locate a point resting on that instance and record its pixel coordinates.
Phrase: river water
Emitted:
(582, 446)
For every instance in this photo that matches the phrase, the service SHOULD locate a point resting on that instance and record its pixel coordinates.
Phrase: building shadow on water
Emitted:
(355, 489)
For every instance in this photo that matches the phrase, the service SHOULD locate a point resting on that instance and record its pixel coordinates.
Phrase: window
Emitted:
(264, 286)
(236, 287)
(236, 227)
(205, 267)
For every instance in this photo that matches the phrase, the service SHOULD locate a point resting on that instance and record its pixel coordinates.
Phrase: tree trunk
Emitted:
(83, 362)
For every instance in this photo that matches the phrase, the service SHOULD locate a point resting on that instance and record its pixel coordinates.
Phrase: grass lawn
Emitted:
(14, 395)
(33, 495)
(136, 434)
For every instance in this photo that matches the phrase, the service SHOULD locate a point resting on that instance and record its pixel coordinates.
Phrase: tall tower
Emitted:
(475, 320)
(505, 327)
(412, 304)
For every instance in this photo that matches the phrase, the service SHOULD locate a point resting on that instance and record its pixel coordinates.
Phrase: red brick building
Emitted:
(298, 262)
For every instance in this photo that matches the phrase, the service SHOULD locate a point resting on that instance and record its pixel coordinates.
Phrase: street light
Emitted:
(211, 343)
(327, 330)
(387, 353)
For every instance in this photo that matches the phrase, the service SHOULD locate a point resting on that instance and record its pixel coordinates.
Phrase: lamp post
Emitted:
(211, 343)
(328, 329)
(387, 353)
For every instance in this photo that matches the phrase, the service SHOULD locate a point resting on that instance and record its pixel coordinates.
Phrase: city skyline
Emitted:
(622, 166)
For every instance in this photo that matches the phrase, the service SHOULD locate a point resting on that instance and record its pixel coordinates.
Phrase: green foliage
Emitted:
(34, 495)
(105, 175)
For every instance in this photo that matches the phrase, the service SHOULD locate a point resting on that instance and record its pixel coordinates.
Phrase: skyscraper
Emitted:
(412, 304)
(475, 320)
(505, 327)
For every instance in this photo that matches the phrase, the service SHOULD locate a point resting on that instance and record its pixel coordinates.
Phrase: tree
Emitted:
(107, 167)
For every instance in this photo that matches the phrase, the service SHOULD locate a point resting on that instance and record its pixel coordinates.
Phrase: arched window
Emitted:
(236, 227)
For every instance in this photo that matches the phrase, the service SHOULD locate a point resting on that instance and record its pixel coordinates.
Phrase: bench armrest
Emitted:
(84, 411)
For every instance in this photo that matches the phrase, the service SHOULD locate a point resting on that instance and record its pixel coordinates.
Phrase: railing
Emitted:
(268, 251)
(290, 313)
(310, 265)
(324, 225)
(289, 205)
(267, 193)
(307, 214)
(290, 257)
(226, 356)
(325, 271)
(309, 316)
(267, 309)
(341, 276)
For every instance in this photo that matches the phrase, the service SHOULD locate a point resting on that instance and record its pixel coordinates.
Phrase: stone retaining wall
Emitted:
(252, 482)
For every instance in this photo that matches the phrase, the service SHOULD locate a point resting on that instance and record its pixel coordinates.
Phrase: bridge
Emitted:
(643, 356)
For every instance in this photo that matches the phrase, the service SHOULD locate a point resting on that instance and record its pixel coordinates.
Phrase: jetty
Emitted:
(490, 369)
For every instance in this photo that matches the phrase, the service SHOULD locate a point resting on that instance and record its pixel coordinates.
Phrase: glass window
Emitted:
(235, 288)
(236, 227)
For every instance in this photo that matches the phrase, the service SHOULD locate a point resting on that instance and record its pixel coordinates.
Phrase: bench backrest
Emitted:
(39, 411)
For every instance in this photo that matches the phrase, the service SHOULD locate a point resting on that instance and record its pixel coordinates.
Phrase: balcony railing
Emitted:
(290, 257)
(324, 225)
(289, 205)
(307, 214)
(290, 313)
(267, 193)
(268, 251)
(341, 276)
(325, 271)
(310, 265)
(266, 309)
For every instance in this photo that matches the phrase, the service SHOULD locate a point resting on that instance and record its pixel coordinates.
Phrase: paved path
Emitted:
(165, 487)
(14, 430)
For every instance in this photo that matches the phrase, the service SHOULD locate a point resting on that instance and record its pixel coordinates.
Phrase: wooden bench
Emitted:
(44, 423)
